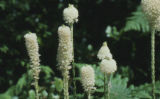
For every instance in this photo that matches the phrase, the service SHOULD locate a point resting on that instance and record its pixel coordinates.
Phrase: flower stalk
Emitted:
(105, 97)
(153, 61)
(108, 78)
(64, 56)
(107, 66)
(89, 95)
(65, 84)
(108, 86)
(70, 16)
(32, 49)
(151, 9)
(73, 66)
(37, 89)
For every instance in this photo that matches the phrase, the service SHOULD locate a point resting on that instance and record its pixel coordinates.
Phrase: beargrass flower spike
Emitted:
(151, 9)
(157, 24)
(70, 14)
(107, 67)
(104, 52)
(64, 55)
(88, 79)
(32, 49)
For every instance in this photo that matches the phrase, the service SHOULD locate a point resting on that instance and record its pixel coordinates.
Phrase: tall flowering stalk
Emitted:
(151, 9)
(70, 16)
(107, 66)
(88, 79)
(153, 62)
(32, 49)
(64, 55)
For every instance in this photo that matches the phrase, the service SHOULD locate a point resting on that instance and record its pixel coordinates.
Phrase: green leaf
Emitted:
(2, 5)
(44, 94)
(112, 32)
(137, 22)
(47, 70)
(5, 96)
(21, 83)
(31, 94)
(58, 84)
(145, 91)
(4, 49)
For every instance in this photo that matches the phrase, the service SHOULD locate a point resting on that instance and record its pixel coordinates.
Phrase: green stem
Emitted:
(71, 27)
(36, 88)
(105, 86)
(89, 95)
(153, 61)
(73, 66)
(65, 84)
(108, 86)
(74, 81)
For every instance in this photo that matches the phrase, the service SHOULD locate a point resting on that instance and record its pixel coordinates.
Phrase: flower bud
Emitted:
(151, 9)
(108, 66)
(70, 14)
(104, 52)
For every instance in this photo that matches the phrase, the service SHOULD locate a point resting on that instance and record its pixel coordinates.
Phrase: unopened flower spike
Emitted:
(151, 9)
(104, 52)
(70, 14)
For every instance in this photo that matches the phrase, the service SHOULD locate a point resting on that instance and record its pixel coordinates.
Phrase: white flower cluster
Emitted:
(88, 78)
(151, 8)
(157, 24)
(33, 48)
(64, 54)
(104, 52)
(70, 14)
(108, 64)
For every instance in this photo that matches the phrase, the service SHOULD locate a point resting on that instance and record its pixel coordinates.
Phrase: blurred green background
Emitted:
(119, 22)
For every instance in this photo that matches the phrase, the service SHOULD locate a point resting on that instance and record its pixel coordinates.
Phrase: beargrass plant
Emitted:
(33, 52)
(64, 55)
(70, 16)
(88, 79)
(151, 9)
(107, 66)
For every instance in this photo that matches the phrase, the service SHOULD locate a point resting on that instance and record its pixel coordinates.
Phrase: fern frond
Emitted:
(137, 22)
